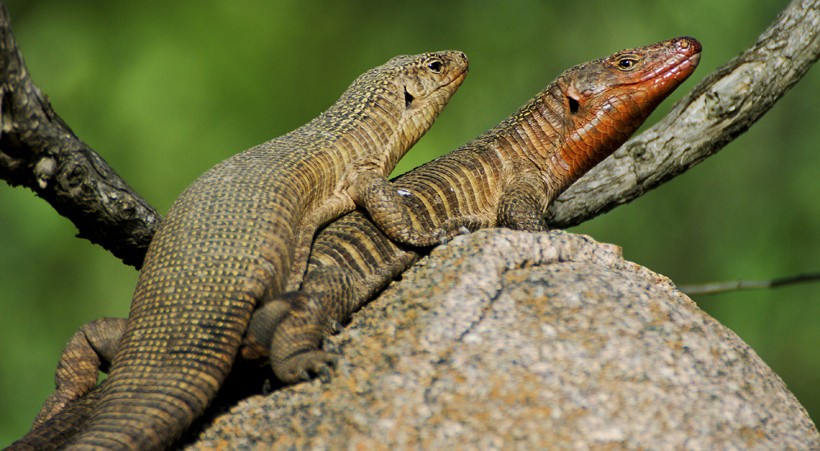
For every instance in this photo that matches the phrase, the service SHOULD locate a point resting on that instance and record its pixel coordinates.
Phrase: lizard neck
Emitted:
(536, 134)
(564, 143)
(370, 130)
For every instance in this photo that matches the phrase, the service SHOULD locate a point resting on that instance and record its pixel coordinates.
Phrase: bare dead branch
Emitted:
(721, 108)
(39, 151)
(737, 285)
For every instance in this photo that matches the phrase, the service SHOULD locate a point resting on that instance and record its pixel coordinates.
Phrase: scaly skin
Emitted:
(352, 259)
(505, 177)
(52, 433)
(230, 240)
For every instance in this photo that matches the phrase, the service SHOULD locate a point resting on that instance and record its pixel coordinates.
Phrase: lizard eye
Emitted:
(627, 63)
(435, 66)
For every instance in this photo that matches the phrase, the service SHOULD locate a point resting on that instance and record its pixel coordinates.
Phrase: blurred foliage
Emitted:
(164, 90)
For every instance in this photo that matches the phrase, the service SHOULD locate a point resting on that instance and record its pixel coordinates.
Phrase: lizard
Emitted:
(352, 259)
(505, 177)
(229, 241)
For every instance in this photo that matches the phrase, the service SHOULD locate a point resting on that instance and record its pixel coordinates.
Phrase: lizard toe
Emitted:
(324, 375)
(330, 347)
(305, 366)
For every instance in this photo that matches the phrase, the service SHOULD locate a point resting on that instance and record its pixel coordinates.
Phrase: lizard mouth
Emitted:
(683, 64)
(458, 79)
(682, 69)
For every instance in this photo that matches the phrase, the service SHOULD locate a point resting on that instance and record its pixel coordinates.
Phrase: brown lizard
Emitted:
(352, 259)
(230, 240)
(506, 177)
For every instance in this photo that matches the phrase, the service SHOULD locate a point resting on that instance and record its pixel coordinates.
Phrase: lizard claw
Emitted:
(442, 236)
(448, 232)
(324, 375)
(336, 327)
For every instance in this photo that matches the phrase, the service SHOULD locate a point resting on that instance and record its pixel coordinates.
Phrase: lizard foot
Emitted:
(304, 366)
(444, 235)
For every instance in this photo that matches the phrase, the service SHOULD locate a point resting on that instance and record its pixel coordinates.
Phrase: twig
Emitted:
(736, 285)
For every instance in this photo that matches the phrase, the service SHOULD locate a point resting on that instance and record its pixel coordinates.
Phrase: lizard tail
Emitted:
(52, 434)
(166, 377)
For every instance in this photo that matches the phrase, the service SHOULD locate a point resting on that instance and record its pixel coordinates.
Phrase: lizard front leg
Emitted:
(523, 203)
(389, 210)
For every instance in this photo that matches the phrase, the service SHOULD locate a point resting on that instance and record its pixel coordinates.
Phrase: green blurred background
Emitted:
(164, 90)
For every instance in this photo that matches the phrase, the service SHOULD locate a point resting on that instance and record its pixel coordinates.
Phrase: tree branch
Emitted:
(39, 151)
(721, 108)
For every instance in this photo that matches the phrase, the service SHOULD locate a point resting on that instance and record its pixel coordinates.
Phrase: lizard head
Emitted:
(606, 100)
(423, 86)
(403, 97)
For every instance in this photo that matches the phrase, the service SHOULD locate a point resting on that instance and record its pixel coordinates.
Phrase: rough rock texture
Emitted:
(517, 340)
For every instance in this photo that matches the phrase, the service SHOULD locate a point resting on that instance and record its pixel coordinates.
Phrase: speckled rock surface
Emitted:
(517, 340)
